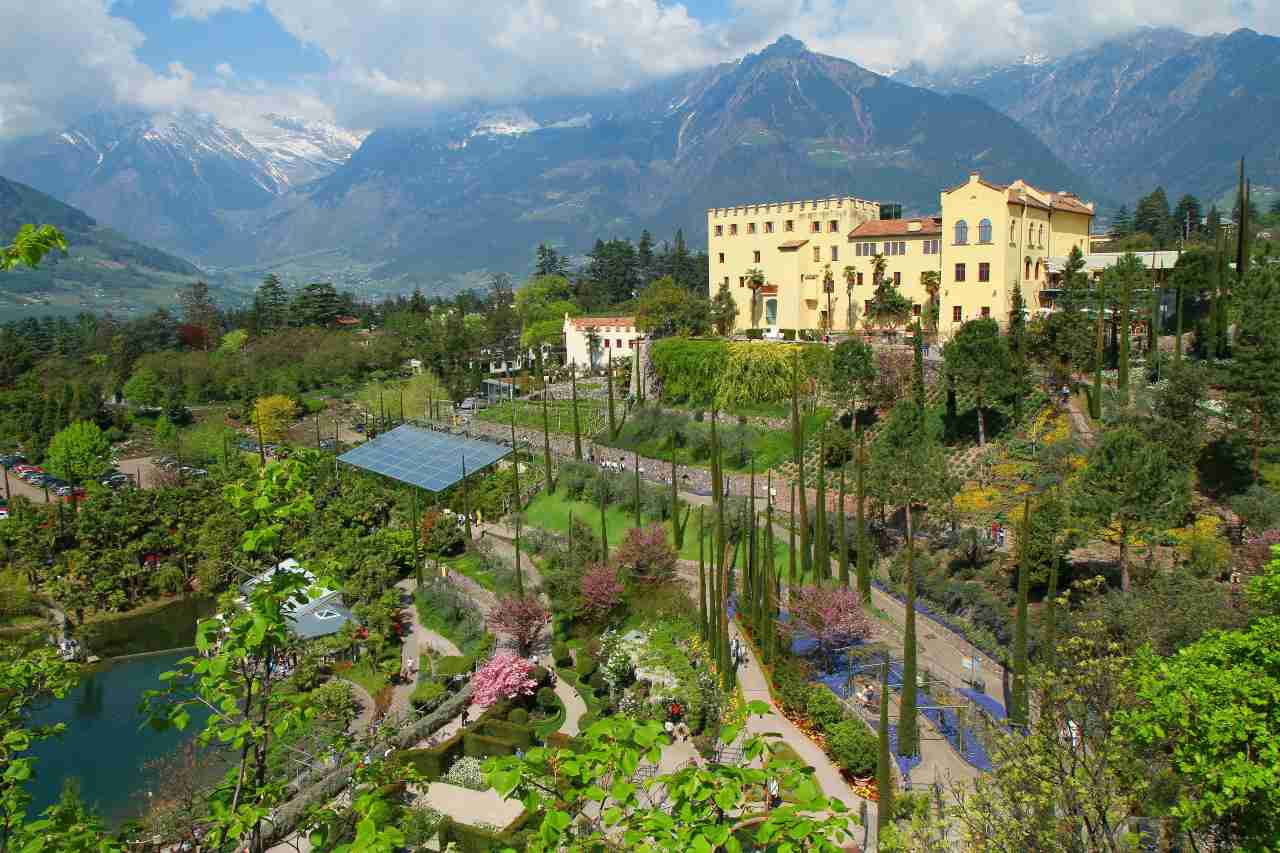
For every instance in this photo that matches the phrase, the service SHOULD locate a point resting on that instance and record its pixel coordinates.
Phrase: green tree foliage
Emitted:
(1187, 216)
(1177, 422)
(724, 311)
(144, 389)
(668, 309)
(541, 305)
(1122, 221)
(978, 356)
(1212, 709)
(317, 304)
(1074, 294)
(270, 303)
(1253, 380)
(199, 312)
(1152, 217)
(550, 262)
(611, 266)
(79, 451)
(30, 246)
(718, 805)
(853, 370)
(1132, 484)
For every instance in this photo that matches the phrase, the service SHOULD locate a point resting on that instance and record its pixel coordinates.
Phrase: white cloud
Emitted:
(224, 70)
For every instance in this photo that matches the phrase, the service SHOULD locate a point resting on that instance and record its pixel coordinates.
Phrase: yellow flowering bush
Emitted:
(1202, 546)
(975, 499)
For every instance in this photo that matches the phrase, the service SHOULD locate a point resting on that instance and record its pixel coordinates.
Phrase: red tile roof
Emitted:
(597, 322)
(928, 226)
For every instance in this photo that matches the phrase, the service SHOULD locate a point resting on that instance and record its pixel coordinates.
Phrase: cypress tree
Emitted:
(1095, 402)
(908, 731)
(1242, 231)
(1126, 306)
(1018, 711)
(797, 427)
(677, 529)
(577, 428)
(515, 504)
(1051, 616)
(884, 771)
(770, 571)
(844, 535)
(791, 540)
(1177, 344)
(702, 580)
(821, 549)
(636, 466)
(613, 417)
(604, 524)
(546, 439)
(750, 585)
(864, 566)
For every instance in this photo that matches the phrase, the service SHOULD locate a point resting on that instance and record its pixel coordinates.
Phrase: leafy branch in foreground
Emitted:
(592, 800)
(30, 245)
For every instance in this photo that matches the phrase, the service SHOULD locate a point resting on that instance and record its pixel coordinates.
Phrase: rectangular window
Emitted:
(606, 343)
(915, 310)
(751, 228)
(726, 281)
(720, 256)
(719, 230)
(791, 225)
(817, 253)
(897, 279)
(768, 228)
(932, 247)
(815, 226)
(866, 306)
(742, 281)
(902, 247)
(619, 343)
(956, 314)
(756, 256)
(733, 230)
(984, 272)
(859, 278)
(833, 226)
(835, 253)
(959, 272)
(986, 312)
(771, 312)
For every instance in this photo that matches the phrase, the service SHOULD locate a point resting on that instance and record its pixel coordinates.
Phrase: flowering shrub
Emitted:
(505, 676)
(975, 500)
(521, 619)
(600, 593)
(467, 772)
(832, 616)
(645, 554)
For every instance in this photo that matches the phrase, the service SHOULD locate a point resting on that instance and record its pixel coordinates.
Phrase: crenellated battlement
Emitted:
(806, 205)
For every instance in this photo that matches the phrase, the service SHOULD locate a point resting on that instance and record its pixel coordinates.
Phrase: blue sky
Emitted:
(362, 63)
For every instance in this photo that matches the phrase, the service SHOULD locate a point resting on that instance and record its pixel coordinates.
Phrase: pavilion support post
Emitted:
(466, 502)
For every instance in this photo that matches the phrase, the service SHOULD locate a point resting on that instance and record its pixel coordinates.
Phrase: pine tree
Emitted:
(1075, 284)
(884, 770)
(1019, 372)
(1253, 382)
(1187, 215)
(1122, 222)
(269, 304)
(1018, 694)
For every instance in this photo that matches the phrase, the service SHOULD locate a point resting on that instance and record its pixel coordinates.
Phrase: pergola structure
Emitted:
(425, 459)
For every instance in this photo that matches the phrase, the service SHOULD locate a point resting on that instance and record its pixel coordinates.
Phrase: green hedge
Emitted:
(484, 746)
(689, 369)
(433, 762)
(472, 839)
(452, 665)
(154, 627)
(544, 729)
(428, 694)
(755, 334)
(521, 736)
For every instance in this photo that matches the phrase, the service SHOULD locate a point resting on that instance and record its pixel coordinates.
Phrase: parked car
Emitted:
(468, 405)
(4, 513)
(12, 460)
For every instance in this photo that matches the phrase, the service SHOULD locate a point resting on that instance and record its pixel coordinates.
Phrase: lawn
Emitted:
(593, 415)
(470, 564)
(551, 512)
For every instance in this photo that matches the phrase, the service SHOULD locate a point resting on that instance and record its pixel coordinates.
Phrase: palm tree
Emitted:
(828, 287)
(593, 346)
(932, 281)
(850, 279)
(888, 306)
(755, 281)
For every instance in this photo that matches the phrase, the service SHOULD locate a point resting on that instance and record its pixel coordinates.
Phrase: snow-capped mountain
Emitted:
(172, 180)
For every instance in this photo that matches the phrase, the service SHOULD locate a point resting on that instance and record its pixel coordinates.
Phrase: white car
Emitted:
(772, 334)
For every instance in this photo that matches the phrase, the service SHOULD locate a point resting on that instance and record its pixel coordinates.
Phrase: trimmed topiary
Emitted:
(519, 716)
(824, 708)
(585, 666)
(560, 652)
(853, 747)
(547, 698)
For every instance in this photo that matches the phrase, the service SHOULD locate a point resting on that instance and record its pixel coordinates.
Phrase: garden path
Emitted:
(1080, 420)
(417, 641)
(574, 707)
(755, 686)
(367, 706)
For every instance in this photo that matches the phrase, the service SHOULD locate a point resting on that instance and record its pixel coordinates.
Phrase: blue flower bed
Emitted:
(906, 763)
(948, 724)
(990, 706)
(943, 619)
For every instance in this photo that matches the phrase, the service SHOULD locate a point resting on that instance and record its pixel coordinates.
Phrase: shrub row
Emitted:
(473, 839)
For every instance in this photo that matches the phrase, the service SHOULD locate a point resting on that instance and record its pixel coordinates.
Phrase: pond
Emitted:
(107, 741)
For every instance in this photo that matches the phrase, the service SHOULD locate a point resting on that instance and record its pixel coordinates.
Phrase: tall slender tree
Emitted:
(1242, 226)
(613, 417)
(884, 770)
(703, 621)
(546, 438)
(515, 497)
(1018, 706)
(791, 541)
(1095, 401)
(604, 521)
(821, 548)
(860, 496)
(844, 534)
(797, 439)
(577, 426)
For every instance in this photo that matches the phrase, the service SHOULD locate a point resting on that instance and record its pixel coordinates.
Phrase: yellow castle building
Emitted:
(816, 258)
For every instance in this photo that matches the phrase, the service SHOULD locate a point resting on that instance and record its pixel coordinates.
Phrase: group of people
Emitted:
(998, 534)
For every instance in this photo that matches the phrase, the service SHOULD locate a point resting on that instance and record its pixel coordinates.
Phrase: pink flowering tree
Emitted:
(832, 616)
(505, 676)
(522, 618)
(645, 555)
(600, 593)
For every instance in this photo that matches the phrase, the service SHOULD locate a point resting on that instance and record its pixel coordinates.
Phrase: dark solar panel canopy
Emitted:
(425, 458)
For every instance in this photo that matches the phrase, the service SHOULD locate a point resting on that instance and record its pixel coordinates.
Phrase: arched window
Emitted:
(1037, 270)
(962, 232)
(1041, 241)
(1031, 233)
(771, 312)
(984, 231)
(1013, 232)
(1028, 272)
